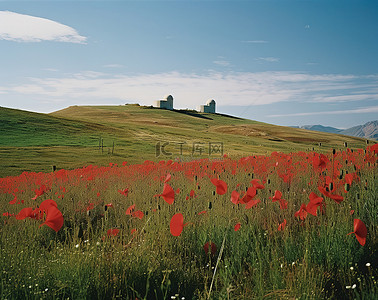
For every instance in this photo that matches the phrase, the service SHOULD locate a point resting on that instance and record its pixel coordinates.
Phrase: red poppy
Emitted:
(54, 218)
(251, 192)
(237, 227)
(314, 203)
(13, 201)
(168, 194)
(192, 194)
(282, 226)
(138, 214)
(252, 203)
(221, 186)
(301, 213)
(168, 178)
(113, 232)
(320, 161)
(7, 214)
(124, 192)
(177, 224)
(24, 213)
(212, 246)
(109, 205)
(133, 231)
(256, 184)
(37, 214)
(351, 212)
(278, 197)
(349, 178)
(47, 203)
(360, 231)
(42, 189)
(202, 212)
(90, 206)
(130, 210)
(235, 197)
(337, 198)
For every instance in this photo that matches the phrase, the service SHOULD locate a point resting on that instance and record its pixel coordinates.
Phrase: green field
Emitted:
(76, 234)
(72, 137)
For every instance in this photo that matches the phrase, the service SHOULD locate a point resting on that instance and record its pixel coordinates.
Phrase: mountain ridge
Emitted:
(368, 130)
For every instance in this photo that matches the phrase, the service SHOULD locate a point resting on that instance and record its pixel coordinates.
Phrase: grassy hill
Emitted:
(82, 135)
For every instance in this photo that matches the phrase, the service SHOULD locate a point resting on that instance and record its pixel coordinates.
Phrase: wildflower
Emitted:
(112, 232)
(368, 264)
(77, 246)
(177, 224)
(282, 226)
(360, 231)
(278, 197)
(301, 213)
(237, 227)
(168, 194)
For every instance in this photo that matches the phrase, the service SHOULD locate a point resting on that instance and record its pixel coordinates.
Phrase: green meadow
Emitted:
(84, 135)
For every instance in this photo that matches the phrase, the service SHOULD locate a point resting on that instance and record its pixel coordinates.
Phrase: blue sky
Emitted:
(280, 62)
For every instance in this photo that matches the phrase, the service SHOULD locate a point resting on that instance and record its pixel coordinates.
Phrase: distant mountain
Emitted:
(321, 128)
(367, 131)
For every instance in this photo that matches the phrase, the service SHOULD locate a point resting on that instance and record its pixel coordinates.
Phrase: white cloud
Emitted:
(363, 110)
(24, 28)
(190, 90)
(345, 98)
(116, 66)
(223, 63)
(268, 59)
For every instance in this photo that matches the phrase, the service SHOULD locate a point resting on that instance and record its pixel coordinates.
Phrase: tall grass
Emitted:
(310, 259)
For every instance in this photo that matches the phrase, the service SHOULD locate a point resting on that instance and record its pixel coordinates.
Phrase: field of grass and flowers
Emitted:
(270, 227)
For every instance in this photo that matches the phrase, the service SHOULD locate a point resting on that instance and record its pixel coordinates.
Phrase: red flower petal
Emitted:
(177, 224)
(54, 218)
(252, 203)
(24, 213)
(168, 194)
(360, 231)
(168, 178)
(235, 197)
(113, 232)
(130, 210)
(282, 226)
(138, 214)
(221, 186)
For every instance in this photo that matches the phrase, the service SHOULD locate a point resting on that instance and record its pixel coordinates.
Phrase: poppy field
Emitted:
(301, 225)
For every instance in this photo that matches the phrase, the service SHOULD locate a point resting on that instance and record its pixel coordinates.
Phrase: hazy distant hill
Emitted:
(322, 128)
(367, 131)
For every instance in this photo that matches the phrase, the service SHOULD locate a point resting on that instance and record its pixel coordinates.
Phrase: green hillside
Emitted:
(82, 135)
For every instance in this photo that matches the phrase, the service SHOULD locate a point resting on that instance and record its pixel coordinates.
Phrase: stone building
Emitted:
(166, 103)
(209, 107)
